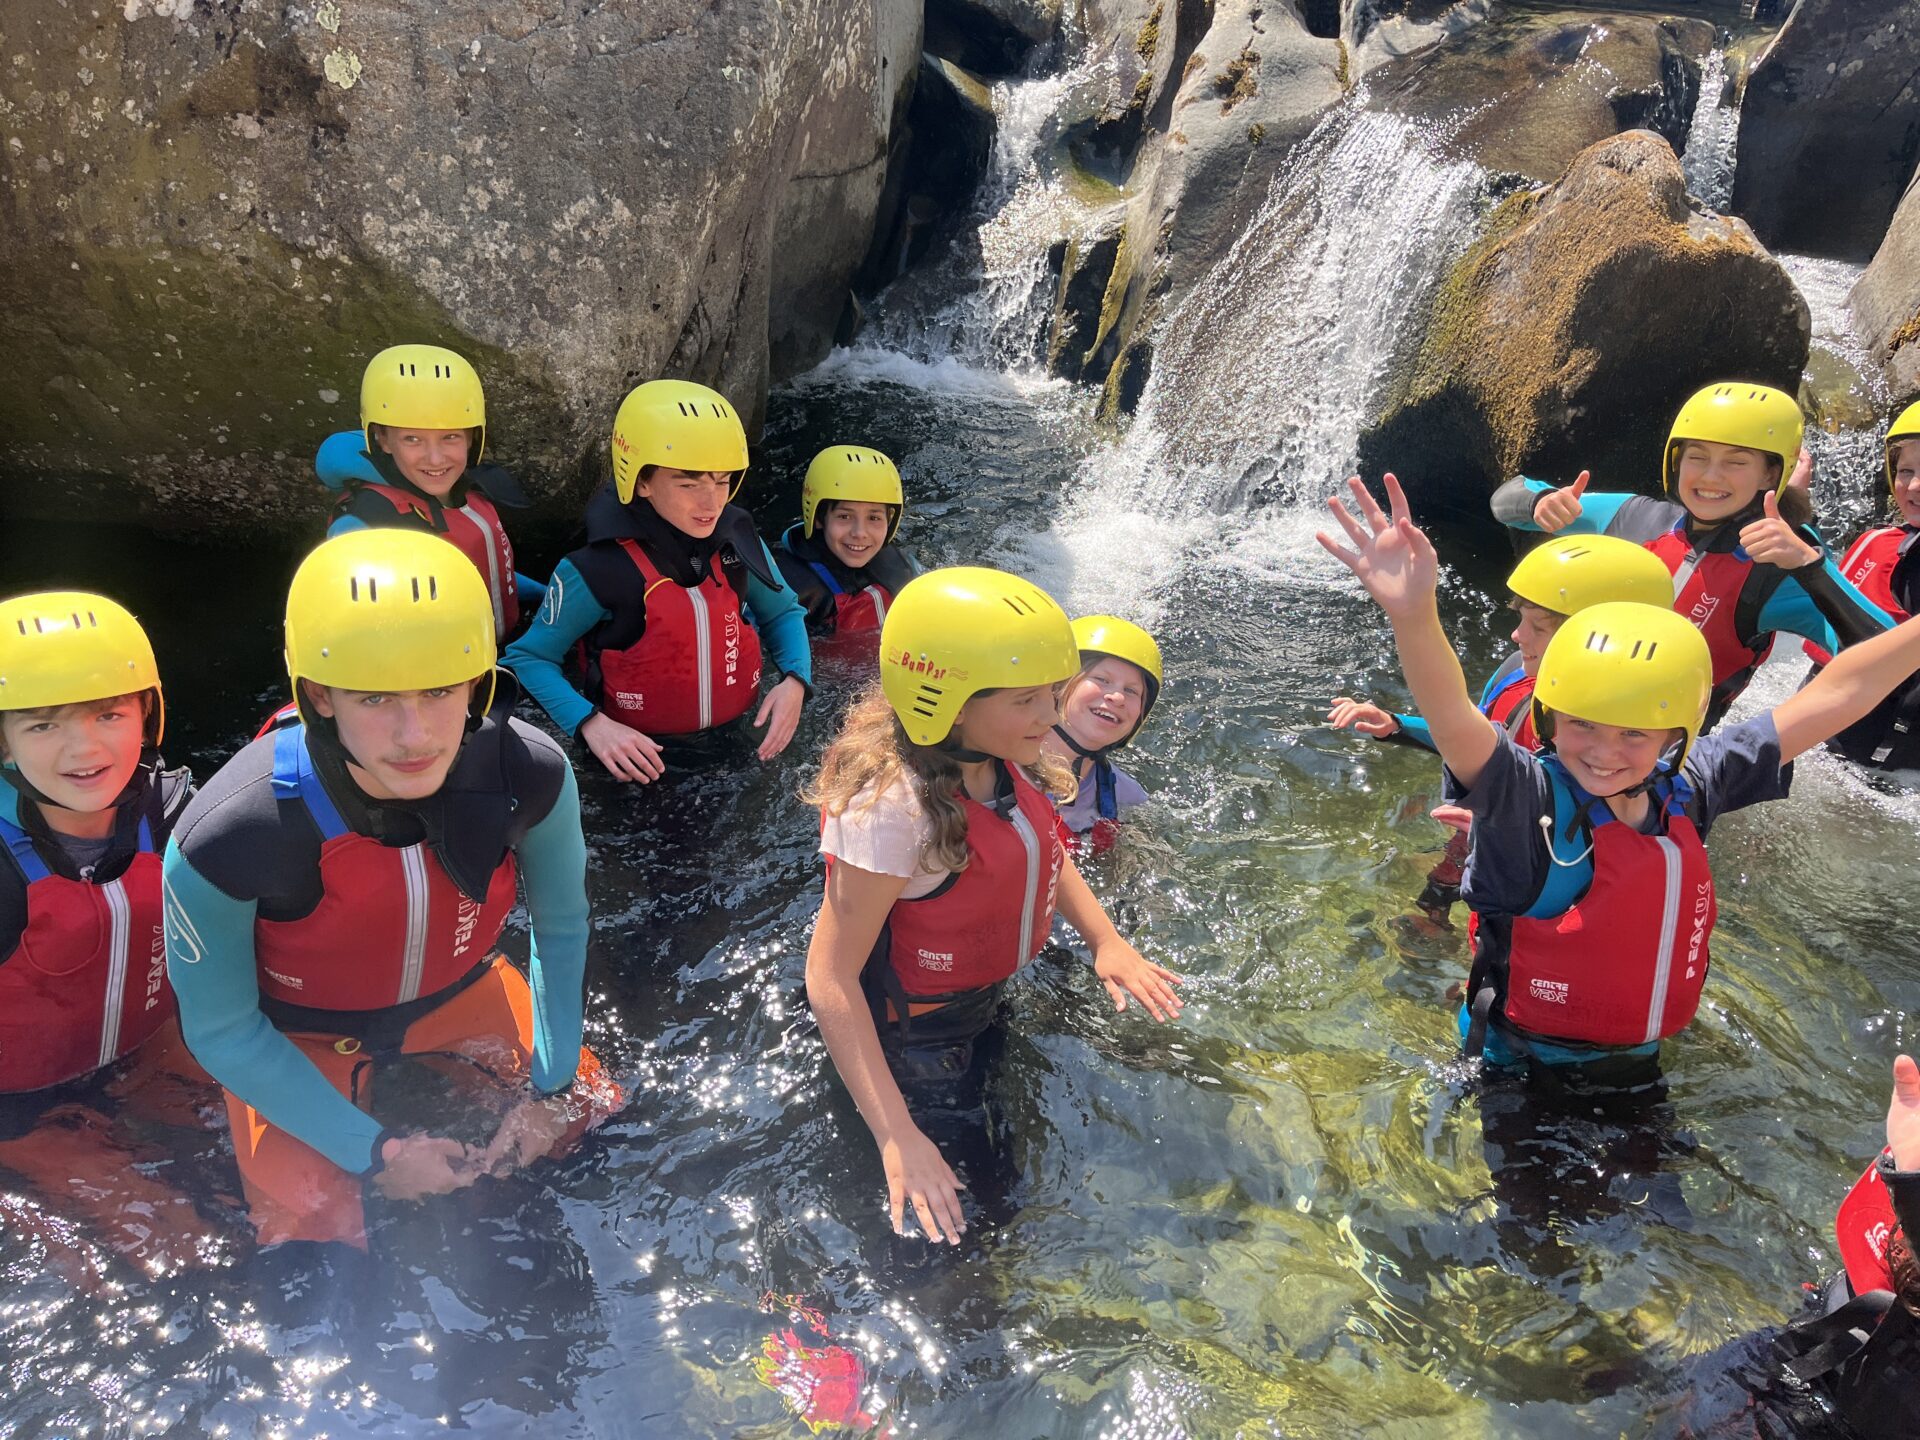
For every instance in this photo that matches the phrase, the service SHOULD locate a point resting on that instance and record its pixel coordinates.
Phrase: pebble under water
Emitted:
(1277, 1217)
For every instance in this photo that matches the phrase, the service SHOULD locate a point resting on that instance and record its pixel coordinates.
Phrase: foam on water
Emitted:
(1712, 137)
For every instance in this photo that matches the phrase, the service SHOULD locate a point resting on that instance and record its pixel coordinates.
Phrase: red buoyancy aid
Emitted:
(87, 983)
(854, 611)
(475, 527)
(1869, 566)
(1623, 965)
(1864, 1226)
(991, 918)
(695, 666)
(391, 925)
(1512, 710)
(1706, 589)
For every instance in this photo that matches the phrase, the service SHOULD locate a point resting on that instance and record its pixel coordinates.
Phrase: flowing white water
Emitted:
(984, 300)
(1712, 137)
(1267, 369)
(1846, 450)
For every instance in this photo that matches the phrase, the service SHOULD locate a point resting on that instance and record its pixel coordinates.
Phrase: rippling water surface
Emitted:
(1291, 1214)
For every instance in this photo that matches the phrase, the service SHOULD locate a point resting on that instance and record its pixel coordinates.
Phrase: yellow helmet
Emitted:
(679, 424)
(1906, 426)
(851, 472)
(1096, 635)
(952, 633)
(1567, 573)
(1642, 667)
(64, 647)
(426, 386)
(1755, 417)
(389, 610)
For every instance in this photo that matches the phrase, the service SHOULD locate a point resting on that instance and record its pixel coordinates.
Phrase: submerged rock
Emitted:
(1569, 335)
(216, 214)
(1886, 301)
(1830, 126)
(1523, 93)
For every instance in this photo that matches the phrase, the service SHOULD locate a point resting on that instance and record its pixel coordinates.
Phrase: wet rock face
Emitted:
(991, 37)
(1567, 338)
(216, 213)
(1830, 126)
(1886, 301)
(1522, 94)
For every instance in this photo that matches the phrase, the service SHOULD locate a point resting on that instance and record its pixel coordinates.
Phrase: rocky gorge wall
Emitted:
(216, 210)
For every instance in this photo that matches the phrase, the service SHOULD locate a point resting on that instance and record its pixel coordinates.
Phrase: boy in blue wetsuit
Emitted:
(1744, 564)
(1589, 880)
(334, 893)
(673, 602)
(841, 560)
(1554, 580)
(88, 1035)
(415, 463)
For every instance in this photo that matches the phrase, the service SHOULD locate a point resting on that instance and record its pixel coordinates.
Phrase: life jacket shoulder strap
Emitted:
(294, 779)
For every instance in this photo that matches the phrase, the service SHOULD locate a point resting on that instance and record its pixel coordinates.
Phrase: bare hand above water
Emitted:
(416, 1166)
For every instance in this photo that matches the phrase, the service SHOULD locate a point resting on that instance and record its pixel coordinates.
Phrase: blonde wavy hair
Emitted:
(872, 753)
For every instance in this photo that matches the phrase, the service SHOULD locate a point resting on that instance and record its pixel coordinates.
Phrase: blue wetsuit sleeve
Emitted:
(1413, 731)
(553, 863)
(570, 610)
(344, 523)
(1513, 506)
(1820, 604)
(782, 623)
(532, 592)
(210, 960)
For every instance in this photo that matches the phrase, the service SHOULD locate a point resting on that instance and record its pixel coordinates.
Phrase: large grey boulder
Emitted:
(1567, 337)
(1886, 300)
(216, 214)
(1830, 126)
(1523, 92)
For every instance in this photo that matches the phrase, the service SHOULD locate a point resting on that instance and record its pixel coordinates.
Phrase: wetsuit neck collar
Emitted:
(1720, 535)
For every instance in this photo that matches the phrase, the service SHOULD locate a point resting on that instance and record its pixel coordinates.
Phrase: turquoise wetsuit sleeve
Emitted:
(553, 862)
(1513, 506)
(344, 523)
(210, 960)
(570, 610)
(782, 623)
(1414, 731)
(531, 591)
(1820, 604)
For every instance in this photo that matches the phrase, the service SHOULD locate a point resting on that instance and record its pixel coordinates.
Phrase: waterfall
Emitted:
(1849, 486)
(1712, 137)
(985, 301)
(1268, 368)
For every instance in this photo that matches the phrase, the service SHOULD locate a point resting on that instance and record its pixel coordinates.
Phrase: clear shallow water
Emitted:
(1277, 1218)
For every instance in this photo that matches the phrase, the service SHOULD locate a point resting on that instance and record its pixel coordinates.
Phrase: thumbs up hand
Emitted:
(1771, 541)
(1557, 509)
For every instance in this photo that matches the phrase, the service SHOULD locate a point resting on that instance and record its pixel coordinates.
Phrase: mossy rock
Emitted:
(1568, 335)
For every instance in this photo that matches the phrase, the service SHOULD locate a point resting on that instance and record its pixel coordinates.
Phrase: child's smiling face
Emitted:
(1716, 482)
(1103, 704)
(854, 530)
(1906, 481)
(432, 460)
(1537, 626)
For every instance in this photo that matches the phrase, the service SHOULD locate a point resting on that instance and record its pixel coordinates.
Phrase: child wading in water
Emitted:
(842, 559)
(415, 464)
(1558, 578)
(944, 867)
(1745, 564)
(1882, 564)
(1588, 874)
(1101, 710)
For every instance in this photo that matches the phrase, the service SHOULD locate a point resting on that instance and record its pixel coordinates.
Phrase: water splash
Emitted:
(985, 300)
(1847, 456)
(1266, 371)
(1712, 137)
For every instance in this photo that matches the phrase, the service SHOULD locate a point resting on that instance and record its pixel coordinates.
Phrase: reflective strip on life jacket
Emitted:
(413, 865)
(121, 911)
(1669, 928)
(703, 655)
(1030, 902)
(495, 590)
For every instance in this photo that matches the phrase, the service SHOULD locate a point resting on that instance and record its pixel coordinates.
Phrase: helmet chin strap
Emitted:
(1082, 751)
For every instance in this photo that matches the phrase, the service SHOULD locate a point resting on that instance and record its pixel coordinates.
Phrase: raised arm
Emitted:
(1397, 564)
(1858, 679)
